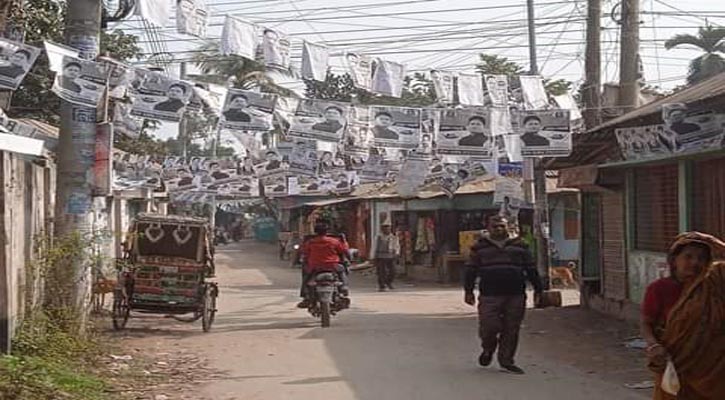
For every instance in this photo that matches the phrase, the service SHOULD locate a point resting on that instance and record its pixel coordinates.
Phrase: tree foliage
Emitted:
(496, 65)
(417, 91)
(45, 20)
(711, 41)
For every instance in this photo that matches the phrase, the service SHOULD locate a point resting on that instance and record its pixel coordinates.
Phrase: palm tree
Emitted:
(710, 40)
(245, 73)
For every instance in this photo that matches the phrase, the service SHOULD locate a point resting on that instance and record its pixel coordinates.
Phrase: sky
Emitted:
(449, 34)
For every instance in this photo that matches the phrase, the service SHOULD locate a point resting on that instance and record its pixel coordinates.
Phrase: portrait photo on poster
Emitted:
(301, 155)
(80, 82)
(276, 49)
(275, 186)
(246, 110)
(320, 120)
(157, 96)
(544, 133)
(16, 59)
(443, 85)
(192, 17)
(465, 132)
(497, 87)
(395, 127)
(693, 128)
(358, 138)
(272, 163)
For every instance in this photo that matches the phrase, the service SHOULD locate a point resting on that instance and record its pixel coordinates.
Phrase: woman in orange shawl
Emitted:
(690, 328)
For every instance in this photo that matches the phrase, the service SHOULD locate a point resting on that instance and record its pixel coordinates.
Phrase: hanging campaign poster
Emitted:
(642, 142)
(545, 133)
(284, 112)
(247, 186)
(80, 82)
(124, 123)
(16, 59)
(310, 185)
(276, 48)
(360, 68)
(509, 183)
(395, 127)
(358, 137)
(21, 128)
(533, 92)
(343, 182)
(275, 186)
(430, 127)
(443, 85)
(465, 132)
(192, 17)
(238, 38)
(301, 155)
(470, 89)
(119, 77)
(157, 96)
(497, 87)
(375, 169)
(315, 59)
(272, 163)
(454, 176)
(154, 12)
(245, 110)
(321, 120)
(331, 162)
(412, 176)
(388, 78)
(693, 129)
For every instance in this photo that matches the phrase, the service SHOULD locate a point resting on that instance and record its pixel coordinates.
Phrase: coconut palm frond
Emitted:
(711, 41)
(704, 67)
(684, 40)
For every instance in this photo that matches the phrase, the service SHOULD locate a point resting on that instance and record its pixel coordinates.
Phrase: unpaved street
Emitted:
(413, 343)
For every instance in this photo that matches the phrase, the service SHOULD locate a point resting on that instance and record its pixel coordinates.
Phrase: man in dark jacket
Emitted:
(502, 265)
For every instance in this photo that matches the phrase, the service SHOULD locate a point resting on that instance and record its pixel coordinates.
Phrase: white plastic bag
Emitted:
(670, 381)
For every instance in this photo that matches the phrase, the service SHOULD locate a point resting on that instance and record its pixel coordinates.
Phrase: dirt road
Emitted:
(413, 343)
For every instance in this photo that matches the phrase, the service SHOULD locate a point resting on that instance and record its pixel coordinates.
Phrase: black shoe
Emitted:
(303, 304)
(512, 369)
(484, 359)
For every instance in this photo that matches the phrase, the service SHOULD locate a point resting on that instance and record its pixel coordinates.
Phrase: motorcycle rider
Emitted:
(323, 253)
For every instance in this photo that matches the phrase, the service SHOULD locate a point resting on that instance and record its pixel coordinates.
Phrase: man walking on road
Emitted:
(385, 252)
(502, 265)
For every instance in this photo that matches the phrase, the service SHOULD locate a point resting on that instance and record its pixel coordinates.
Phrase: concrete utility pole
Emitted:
(541, 206)
(76, 150)
(592, 66)
(629, 49)
(183, 136)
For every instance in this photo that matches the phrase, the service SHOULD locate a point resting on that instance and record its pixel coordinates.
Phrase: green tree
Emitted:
(246, 74)
(45, 20)
(711, 41)
(417, 91)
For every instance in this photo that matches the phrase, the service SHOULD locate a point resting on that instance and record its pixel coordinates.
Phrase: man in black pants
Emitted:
(385, 252)
(502, 265)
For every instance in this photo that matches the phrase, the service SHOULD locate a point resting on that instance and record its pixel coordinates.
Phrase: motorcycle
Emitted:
(326, 297)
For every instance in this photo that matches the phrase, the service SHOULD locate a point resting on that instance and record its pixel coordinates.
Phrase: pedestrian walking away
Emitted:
(501, 266)
(385, 252)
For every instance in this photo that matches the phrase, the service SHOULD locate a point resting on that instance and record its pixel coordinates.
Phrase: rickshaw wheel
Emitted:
(121, 310)
(208, 308)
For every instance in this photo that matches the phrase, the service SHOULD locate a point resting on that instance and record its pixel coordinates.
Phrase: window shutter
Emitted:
(656, 212)
(708, 197)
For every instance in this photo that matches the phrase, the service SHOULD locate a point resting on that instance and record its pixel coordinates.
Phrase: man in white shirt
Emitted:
(386, 249)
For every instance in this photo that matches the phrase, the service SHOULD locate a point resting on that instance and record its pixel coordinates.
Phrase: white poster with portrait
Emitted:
(470, 89)
(192, 17)
(545, 133)
(271, 163)
(276, 49)
(331, 162)
(310, 185)
(430, 127)
(411, 177)
(465, 132)
(158, 96)
(124, 123)
(389, 78)
(358, 137)
(692, 129)
(320, 120)
(642, 142)
(244, 187)
(360, 68)
(80, 82)
(119, 75)
(375, 169)
(275, 186)
(315, 60)
(301, 155)
(246, 110)
(395, 127)
(16, 59)
(497, 87)
(238, 38)
(443, 85)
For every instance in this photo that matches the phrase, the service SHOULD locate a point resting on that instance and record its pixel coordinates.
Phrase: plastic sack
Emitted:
(670, 381)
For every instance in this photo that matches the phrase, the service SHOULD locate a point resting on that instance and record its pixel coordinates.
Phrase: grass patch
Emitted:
(49, 363)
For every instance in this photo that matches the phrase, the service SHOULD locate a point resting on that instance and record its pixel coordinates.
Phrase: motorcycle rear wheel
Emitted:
(325, 314)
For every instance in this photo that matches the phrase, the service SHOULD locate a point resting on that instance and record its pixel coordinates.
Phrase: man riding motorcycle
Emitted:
(323, 253)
